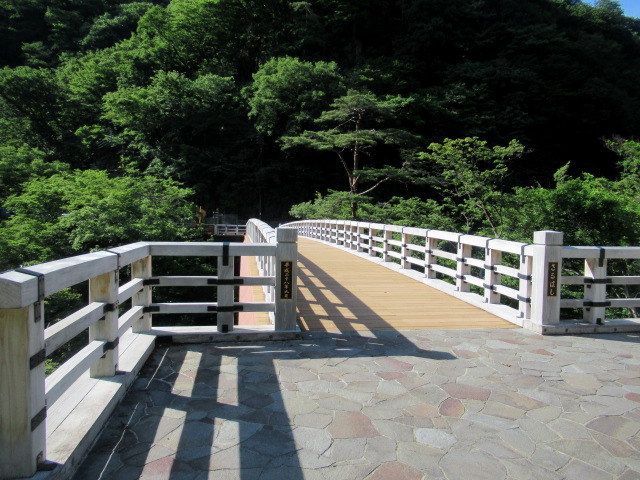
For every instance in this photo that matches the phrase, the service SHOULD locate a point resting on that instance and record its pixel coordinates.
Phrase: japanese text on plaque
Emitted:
(552, 276)
(286, 277)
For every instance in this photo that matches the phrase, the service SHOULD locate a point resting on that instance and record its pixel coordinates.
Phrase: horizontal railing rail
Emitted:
(520, 282)
(225, 229)
(25, 343)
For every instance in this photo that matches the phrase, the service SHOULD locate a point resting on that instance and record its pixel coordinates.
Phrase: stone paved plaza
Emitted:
(440, 404)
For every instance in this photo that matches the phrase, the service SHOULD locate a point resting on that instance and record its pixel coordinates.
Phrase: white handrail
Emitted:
(517, 281)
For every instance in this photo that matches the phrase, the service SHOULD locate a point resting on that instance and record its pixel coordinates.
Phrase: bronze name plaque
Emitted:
(552, 279)
(286, 280)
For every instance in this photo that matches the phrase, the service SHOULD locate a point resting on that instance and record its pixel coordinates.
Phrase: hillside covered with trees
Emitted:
(119, 118)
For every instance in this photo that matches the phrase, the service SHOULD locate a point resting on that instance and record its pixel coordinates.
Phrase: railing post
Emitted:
(462, 268)
(388, 235)
(354, 236)
(547, 270)
(346, 238)
(104, 288)
(286, 266)
(595, 269)
(491, 278)
(22, 400)
(524, 302)
(429, 258)
(224, 316)
(372, 233)
(359, 235)
(404, 252)
(142, 269)
(349, 227)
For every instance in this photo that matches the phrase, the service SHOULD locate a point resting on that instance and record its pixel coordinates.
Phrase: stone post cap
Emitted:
(286, 235)
(548, 237)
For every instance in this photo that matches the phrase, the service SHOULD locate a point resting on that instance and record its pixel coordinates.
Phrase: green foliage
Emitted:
(412, 212)
(356, 124)
(32, 94)
(171, 102)
(246, 102)
(629, 164)
(75, 212)
(109, 28)
(23, 163)
(287, 94)
(468, 173)
(333, 205)
(191, 130)
(589, 210)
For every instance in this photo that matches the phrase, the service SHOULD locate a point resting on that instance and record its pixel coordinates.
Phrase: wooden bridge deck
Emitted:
(340, 292)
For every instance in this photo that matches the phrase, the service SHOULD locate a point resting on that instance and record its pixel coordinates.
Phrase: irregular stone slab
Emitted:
(615, 447)
(313, 420)
(581, 382)
(422, 411)
(518, 441)
(542, 351)
(501, 410)
(390, 375)
(295, 375)
(517, 400)
(460, 391)
(334, 472)
(395, 471)
(391, 388)
(451, 407)
(577, 470)
(630, 475)
(548, 458)
(435, 438)
(469, 431)
(569, 429)
(537, 431)
(459, 464)
(419, 456)
(352, 425)
(315, 440)
(394, 430)
(614, 426)
(523, 469)
(496, 448)
(379, 449)
(545, 414)
(349, 449)
(339, 403)
(231, 433)
(142, 454)
(589, 452)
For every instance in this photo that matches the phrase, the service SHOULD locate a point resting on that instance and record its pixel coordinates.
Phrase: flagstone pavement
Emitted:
(441, 404)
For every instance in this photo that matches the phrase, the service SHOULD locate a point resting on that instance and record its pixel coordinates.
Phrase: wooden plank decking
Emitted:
(340, 292)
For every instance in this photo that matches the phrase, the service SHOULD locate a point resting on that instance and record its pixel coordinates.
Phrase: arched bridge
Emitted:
(365, 286)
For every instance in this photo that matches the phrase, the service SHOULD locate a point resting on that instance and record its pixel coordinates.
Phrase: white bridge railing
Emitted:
(25, 343)
(523, 283)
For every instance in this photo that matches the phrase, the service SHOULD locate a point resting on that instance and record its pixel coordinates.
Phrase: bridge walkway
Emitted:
(341, 292)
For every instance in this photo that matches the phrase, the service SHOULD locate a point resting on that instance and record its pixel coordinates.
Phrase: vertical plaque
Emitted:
(286, 280)
(552, 279)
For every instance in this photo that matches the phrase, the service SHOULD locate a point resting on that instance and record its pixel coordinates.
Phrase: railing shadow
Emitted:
(200, 408)
(360, 310)
(205, 408)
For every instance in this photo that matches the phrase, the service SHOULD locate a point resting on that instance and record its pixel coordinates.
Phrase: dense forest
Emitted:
(119, 118)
